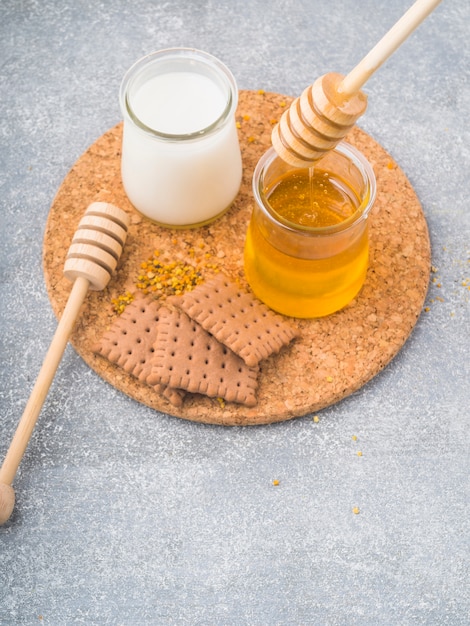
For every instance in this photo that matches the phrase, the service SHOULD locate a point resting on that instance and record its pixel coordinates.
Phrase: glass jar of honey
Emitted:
(307, 248)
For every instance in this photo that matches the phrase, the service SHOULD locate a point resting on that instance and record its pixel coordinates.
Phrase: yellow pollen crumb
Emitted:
(221, 401)
(354, 437)
(238, 125)
(359, 453)
(120, 303)
(261, 92)
(251, 139)
(275, 482)
(165, 279)
(329, 379)
(246, 118)
(316, 419)
(273, 121)
(282, 103)
(390, 165)
(355, 510)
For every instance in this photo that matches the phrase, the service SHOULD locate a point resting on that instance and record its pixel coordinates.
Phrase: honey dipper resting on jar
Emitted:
(327, 110)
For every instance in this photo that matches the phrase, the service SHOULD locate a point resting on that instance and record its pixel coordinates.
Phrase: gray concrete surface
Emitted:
(127, 517)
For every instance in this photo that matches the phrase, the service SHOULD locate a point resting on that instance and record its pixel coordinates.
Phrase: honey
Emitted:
(306, 248)
(312, 197)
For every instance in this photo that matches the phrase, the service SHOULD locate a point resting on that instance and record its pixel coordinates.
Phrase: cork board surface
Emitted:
(334, 356)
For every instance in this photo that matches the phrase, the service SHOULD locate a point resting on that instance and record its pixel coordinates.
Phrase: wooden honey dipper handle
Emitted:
(389, 43)
(327, 110)
(92, 257)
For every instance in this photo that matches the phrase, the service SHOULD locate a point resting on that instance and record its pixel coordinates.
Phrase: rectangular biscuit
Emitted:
(237, 319)
(129, 343)
(187, 357)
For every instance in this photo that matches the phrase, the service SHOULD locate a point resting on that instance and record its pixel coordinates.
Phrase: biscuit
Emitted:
(129, 343)
(237, 319)
(188, 357)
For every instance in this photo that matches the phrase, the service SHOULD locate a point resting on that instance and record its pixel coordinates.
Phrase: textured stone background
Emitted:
(126, 516)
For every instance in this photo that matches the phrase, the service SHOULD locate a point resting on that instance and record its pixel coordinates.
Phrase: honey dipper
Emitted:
(92, 257)
(326, 111)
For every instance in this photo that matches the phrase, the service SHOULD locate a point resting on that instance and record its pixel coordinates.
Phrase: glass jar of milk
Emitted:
(181, 163)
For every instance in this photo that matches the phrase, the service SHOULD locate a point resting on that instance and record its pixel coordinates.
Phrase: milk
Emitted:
(176, 168)
(178, 102)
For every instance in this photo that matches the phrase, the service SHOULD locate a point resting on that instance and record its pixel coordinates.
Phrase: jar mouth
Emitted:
(357, 160)
(178, 60)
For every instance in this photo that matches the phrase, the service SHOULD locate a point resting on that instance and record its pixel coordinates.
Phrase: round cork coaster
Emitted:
(333, 357)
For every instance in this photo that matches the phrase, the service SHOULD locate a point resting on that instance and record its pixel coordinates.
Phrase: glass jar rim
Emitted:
(345, 149)
(204, 58)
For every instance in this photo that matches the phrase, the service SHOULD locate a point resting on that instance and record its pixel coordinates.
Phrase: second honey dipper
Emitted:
(92, 257)
(327, 110)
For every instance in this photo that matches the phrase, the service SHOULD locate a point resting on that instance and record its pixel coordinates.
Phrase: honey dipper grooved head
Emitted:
(316, 121)
(97, 244)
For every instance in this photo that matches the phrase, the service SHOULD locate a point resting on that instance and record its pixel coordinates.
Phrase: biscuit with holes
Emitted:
(129, 343)
(237, 319)
(188, 357)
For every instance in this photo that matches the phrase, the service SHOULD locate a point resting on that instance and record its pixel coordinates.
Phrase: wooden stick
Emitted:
(91, 259)
(43, 381)
(389, 43)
